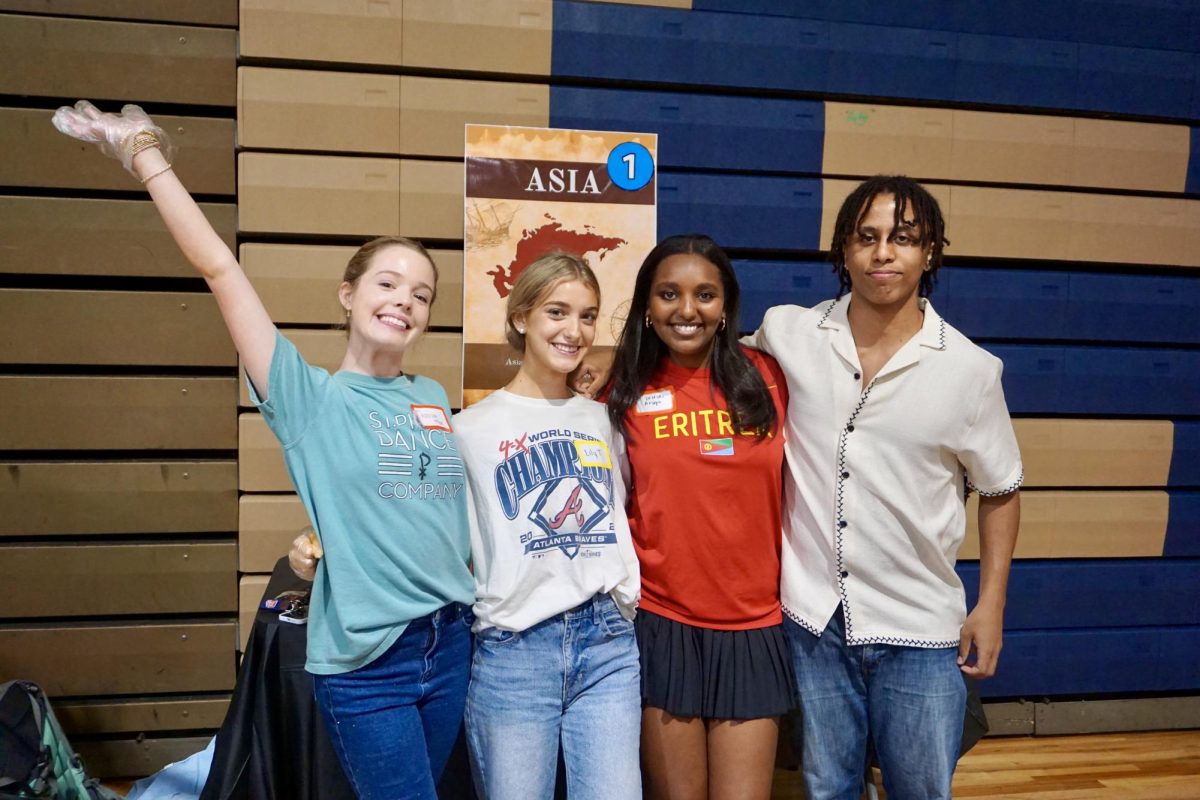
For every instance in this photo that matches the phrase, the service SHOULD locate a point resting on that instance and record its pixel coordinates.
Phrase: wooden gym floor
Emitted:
(1116, 766)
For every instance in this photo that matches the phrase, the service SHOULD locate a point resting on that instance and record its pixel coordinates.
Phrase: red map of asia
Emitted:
(549, 238)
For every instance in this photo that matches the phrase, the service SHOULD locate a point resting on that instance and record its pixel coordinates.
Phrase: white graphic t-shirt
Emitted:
(548, 524)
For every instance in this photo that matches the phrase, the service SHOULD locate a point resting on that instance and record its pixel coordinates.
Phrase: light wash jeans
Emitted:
(908, 702)
(394, 721)
(572, 678)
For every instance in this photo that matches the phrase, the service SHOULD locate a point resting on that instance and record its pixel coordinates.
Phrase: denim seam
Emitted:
(337, 731)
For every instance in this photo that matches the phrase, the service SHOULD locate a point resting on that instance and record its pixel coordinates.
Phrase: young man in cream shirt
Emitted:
(893, 417)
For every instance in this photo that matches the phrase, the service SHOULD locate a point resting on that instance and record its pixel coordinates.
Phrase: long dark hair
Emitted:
(639, 350)
(912, 201)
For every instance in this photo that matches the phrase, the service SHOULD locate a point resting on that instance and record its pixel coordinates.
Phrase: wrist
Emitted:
(991, 602)
(148, 161)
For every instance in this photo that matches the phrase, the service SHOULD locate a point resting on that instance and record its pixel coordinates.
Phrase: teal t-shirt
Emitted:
(382, 479)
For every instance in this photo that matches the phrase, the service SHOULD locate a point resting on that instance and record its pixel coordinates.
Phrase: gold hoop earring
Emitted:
(648, 323)
(721, 324)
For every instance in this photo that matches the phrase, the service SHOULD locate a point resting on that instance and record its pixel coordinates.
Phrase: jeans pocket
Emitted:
(496, 637)
(615, 624)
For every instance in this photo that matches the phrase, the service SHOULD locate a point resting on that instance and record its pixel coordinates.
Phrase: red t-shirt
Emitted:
(704, 505)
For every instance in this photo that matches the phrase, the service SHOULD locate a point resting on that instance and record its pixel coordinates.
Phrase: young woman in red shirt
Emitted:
(702, 417)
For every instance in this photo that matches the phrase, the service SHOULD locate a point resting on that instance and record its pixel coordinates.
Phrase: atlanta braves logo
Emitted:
(574, 506)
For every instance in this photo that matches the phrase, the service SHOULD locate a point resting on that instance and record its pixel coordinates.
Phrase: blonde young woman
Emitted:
(555, 572)
(371, 455)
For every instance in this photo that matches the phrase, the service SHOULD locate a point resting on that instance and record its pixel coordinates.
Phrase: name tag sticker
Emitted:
(593, 454)
(431, 418)
(656, 402)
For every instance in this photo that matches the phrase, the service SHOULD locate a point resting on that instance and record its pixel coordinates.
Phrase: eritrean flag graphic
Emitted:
(716, 447)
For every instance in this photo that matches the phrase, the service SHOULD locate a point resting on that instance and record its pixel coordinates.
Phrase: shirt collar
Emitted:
(932, 334)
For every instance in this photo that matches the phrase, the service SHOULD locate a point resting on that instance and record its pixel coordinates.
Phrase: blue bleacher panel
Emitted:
(1049, 379)
(932, 14)
(703, 130)
(1193, 173)
(1162, 24)
(1113, 660)
(892, 62)
(771, 283)
(1075, 593)
(1054, 21)
(601, 40)
(985, 303)
(1015, 71)
(1196, 73)
(742, 212)
(1134, 81)
(1183, 523)
(1134, 308)
(1080, 306)
(1185, 455)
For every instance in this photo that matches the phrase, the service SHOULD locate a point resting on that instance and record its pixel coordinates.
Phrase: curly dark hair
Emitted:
(639, 350)
(926, 214)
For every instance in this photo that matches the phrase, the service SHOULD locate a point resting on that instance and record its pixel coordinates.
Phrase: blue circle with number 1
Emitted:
(630, 166)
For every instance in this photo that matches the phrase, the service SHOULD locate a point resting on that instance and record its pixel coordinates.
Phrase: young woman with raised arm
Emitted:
(372, 456)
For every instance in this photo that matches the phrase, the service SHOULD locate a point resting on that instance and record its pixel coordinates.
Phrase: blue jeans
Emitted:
(908, 702)
(574, 678)
(394, 721)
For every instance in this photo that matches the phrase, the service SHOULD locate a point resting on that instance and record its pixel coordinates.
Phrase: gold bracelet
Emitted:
(146, 179)
(143, 140)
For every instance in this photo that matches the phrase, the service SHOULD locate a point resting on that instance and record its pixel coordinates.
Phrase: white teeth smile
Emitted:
(565, 349)
(394, 321)
(686, 330)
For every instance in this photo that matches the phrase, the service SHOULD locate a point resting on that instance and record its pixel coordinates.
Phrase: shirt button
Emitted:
(858, 376)
(842, 523)
(845, 475)
(850, 428)
(845, 574)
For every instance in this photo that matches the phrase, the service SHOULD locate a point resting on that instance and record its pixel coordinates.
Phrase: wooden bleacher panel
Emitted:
(1083, 524)
(103, 60)
(512, 37)
(113, 328)
(46, 412)
(51, 160)
(318, 194)
(190, 12)
(267, 524)
(85, 659)
(80, 236)
(55, 498)
(68, 580)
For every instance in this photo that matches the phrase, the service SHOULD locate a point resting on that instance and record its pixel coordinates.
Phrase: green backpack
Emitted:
(36, 760)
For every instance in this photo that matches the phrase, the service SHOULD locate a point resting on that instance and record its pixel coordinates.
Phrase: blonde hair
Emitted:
(539, 279)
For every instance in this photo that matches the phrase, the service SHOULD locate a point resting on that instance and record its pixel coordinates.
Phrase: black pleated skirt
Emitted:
(715, 674)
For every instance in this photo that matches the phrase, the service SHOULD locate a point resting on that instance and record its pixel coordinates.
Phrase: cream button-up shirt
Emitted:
(874, 494)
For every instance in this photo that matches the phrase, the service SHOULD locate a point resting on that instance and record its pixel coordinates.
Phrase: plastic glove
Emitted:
(112, 133)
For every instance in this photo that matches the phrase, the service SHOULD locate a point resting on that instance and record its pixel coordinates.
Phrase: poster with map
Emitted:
(532, 191)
